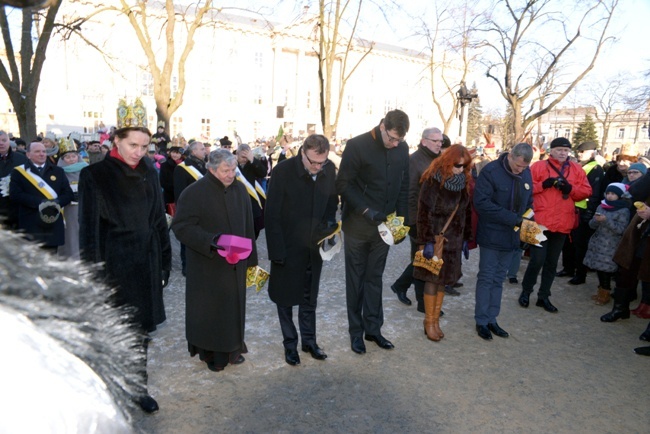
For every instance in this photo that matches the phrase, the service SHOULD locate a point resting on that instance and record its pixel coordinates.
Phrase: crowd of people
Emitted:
(115, 208)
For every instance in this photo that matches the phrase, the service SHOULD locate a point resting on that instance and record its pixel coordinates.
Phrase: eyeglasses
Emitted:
(459, 166)
(316, 163)
(633, 172)
(432, 140)
(392, 139)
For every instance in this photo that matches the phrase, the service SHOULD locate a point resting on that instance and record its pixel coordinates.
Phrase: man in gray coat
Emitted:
(300, 211)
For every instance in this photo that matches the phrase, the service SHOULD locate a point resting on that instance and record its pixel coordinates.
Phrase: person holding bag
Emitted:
(443, 227)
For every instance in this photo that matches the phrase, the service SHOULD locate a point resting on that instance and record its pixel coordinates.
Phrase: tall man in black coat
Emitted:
(373, 182)
(300, 211)
(40, 190)
(8, 160)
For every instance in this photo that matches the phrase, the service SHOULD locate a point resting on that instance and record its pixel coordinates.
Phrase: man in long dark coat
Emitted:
(300, 211)
(8, 160)
(35, 188)
(215, 296)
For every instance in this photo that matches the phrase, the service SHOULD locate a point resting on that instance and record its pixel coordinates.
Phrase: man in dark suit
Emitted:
(300, 211)
(40, 190)
(373, 182)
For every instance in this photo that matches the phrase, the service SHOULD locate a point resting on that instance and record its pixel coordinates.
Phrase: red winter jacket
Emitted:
(551, 210)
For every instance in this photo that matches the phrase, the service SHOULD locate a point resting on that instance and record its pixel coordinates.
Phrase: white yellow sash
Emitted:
(37, 182)
(193, 171)
(252, 191)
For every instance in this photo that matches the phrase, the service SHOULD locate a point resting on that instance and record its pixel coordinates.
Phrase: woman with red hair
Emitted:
(444, 197)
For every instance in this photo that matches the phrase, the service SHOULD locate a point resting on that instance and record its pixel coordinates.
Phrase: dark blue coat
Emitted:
(500, 199)
(23, 193)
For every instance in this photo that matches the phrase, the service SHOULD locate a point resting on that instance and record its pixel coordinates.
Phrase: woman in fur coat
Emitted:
(444, 187)
(71, 165)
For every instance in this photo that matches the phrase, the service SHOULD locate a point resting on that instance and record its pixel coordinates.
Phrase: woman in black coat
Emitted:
(122, 225)
(167, 176)
(444, 186)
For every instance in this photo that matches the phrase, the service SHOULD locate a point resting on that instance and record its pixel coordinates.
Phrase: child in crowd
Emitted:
(609, 221)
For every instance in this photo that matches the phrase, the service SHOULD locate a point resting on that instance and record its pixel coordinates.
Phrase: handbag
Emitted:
(434, 264)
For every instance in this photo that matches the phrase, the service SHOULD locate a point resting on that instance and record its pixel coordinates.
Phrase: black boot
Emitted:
(645, 336)
(621, 310)
(419, 295)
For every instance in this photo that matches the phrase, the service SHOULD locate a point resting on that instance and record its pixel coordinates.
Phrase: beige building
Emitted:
(244, 74)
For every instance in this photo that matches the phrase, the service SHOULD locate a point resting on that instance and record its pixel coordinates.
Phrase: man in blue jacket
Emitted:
(503, 193)
(373, 182)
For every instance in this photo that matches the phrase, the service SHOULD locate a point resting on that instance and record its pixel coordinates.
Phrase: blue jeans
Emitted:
(492, 268)
(513, 268)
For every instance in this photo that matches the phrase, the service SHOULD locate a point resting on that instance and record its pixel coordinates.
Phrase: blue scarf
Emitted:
(76, 167)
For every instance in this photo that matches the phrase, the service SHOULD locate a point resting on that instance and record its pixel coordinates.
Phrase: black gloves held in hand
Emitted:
(374, 217)
(564, 187)
(213, 245)
(548, 182)
(165, 278)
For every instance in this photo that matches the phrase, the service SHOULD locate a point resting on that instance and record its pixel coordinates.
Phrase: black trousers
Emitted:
(575, 249)
(405, 280)
(545, 259)
(306, 319)
(365, 260)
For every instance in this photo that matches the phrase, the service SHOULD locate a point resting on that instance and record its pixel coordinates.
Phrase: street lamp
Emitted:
(636, 131)
(463, 97)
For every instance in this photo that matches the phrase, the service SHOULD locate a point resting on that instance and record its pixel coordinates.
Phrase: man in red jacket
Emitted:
(558, 184)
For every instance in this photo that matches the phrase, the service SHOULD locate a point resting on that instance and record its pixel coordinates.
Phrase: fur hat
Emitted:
(446, 141)
(560, 142)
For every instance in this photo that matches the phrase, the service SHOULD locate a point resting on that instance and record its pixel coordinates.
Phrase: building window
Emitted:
(621, 133)
(388, 105)
(174, 86)
(232, 95)
(146, 84)
(259, 59)
(350, 104)
(176, 126)
(257, 95)
(205, 127)
(206, 89)
(308, 99)
(567, 133)
(232, 125)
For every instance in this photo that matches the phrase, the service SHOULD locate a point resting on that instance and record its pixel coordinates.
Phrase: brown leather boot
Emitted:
(429, 309)
(436, 313)
(602, 297)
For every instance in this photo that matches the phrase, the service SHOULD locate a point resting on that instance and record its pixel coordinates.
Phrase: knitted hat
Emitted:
(617, 188)
(560, 142)
(638, 166)
(587, 146)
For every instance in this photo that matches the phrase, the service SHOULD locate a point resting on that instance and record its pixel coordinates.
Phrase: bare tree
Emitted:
(520, 35)
(335, 50)
(609, 98)
(450, 56)
(149, 20)
(20, 72)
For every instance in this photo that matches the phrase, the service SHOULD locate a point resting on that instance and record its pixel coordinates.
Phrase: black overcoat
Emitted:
(8, 209)
(215, 296)
(298, 213)
(167, 180)
(27, 197)
(122, 224)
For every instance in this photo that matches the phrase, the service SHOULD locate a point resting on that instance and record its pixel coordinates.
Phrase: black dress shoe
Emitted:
(619, 311)
(381, 341)
(292, 357)
(642, 351)
(546, 304)
(524, 299)
(484, 332)
(513, 280)
(420, 307)
(494, 328)
(401, 296)
(645, 336)
(357, 345)
(238, 361)
(575, 280)
(563, 273)
(315, 351)
(148, 404)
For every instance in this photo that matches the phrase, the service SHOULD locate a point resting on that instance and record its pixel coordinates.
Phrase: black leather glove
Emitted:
(520, 220)
(213, 245)
(428, 251)
(374, 217)
(279, 262)
(565, 188)
(165, 278)
(548, 182)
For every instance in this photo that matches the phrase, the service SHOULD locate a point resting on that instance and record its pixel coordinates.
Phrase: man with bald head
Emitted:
(8, 160)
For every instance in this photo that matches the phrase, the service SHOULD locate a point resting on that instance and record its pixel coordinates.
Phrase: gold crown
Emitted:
(66, 145)
(433, 265)
(131, 115)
